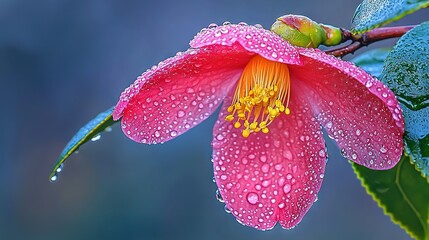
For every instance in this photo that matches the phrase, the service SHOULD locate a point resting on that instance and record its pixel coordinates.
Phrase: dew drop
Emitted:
(96, 138)
(212, 25)
(219, 196)
(227, 210)
(265, 168)
(60, 168)
(274, 55)
(219, 137)
(173, 133)
(383, 149)
(108, 129)
(53, 178)
(295, 168)
(180, 114)
(252, 198)
(287, 188)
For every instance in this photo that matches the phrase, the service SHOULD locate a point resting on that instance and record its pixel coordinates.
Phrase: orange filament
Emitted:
(262, 94)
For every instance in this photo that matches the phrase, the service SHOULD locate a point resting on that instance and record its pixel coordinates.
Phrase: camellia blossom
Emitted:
(269, 154)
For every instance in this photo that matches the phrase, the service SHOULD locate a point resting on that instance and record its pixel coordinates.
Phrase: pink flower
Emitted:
(268, 150)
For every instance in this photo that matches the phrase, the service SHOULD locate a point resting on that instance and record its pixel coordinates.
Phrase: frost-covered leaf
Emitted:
(91, 131)
(375, 13)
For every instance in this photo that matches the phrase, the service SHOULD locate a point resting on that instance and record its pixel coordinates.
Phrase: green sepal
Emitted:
(92, 129)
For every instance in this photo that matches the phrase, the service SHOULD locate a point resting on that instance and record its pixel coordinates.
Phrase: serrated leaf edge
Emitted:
(382, 206)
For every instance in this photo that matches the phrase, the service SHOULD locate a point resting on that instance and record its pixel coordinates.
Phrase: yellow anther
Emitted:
(245, 133)
(262, 94)
(229, 118)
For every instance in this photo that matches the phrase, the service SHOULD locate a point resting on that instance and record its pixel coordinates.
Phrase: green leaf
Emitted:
(372, 61)
(407, 68)
(375, 13)
(91, 130)
(406, 72)
(402, 193)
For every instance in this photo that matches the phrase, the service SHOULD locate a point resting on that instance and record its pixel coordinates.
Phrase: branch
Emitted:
(367, 38)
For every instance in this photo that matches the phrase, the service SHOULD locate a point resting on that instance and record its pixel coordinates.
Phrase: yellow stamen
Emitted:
(262, 93)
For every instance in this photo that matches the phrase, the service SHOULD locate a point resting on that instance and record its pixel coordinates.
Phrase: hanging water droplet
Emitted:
(219, 196)
(227, 210)
(212, 25)
(108, 129)
(96, 138)
(53, 178)
(60, 168)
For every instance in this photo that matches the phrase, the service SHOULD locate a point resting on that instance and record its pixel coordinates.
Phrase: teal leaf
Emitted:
(372, 61)
(402, 193)
(371, 14)
(406, 72)
(91, 131)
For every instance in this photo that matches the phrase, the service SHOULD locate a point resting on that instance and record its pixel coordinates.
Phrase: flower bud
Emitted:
(304, 32)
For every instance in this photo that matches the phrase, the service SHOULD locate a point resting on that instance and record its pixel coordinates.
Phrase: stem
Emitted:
(361, 40)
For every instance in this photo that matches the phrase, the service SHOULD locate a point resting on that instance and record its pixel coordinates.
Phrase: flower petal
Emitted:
(182, 91)
(254, 39)
(360, 113)
(274, 177)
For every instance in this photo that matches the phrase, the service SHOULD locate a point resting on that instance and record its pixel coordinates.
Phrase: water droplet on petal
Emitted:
(212, 25)
(227, 210)
(180, 114)
(219, 196)
(252, 197)
(173, 133)
(287, 188)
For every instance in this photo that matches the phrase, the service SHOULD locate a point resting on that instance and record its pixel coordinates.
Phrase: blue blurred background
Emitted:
(62, 62)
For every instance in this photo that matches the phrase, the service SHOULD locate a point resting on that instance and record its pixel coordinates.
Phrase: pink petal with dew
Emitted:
(274, 177)
(360, 113)
(180, 93)
(254, 39)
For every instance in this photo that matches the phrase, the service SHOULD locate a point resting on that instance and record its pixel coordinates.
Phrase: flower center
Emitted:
(262, 94)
